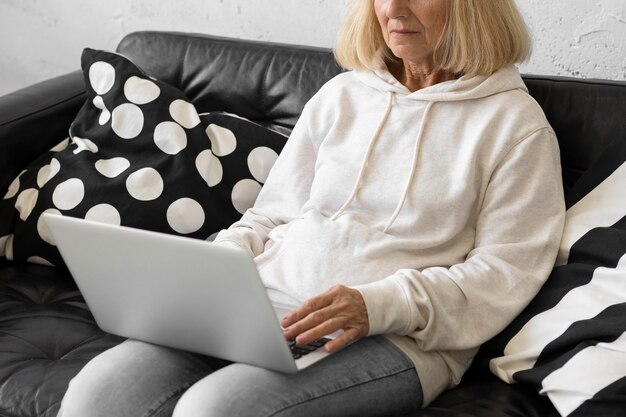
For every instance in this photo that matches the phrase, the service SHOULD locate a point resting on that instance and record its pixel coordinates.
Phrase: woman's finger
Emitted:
(344, 339)
(313, 304)
(324, 329)
(312, 321)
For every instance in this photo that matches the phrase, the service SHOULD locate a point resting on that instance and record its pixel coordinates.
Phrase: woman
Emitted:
(416, 208)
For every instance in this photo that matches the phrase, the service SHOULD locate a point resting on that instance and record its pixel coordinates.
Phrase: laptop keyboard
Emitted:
(299, 351)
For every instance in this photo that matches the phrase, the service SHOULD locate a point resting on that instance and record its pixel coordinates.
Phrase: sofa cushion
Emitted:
(140, 157)
(47, 335)
(265, 82)
(570, 342)
(583, 116)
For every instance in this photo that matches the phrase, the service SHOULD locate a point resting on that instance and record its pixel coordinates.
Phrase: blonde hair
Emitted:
(479, 37)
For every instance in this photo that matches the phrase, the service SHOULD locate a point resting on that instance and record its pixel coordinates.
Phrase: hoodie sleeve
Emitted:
(516, 241)
(284, 193)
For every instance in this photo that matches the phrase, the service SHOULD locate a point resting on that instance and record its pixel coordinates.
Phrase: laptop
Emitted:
(179, 292)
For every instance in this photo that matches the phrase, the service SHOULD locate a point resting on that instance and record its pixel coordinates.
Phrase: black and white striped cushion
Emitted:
(570, 342)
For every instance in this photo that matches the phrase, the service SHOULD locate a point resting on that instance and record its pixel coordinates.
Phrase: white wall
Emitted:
(40, 39)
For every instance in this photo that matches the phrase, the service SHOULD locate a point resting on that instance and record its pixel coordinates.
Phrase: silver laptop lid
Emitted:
(171, 290)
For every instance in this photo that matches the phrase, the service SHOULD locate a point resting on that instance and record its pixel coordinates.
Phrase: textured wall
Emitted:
(43, 38)
(578, 38)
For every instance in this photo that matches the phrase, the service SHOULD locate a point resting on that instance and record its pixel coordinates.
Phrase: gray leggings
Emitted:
(369, 378)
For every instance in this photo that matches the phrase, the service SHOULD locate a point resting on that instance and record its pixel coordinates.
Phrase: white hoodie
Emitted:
(443, 207)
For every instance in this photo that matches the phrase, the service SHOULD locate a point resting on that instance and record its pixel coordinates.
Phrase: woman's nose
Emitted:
(397, 8)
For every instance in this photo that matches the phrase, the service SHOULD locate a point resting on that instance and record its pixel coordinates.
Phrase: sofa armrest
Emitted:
(34, 119)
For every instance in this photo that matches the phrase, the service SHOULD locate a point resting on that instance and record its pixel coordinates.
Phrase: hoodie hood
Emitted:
(467, 87)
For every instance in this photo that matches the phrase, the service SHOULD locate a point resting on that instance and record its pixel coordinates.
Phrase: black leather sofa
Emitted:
(46, 331)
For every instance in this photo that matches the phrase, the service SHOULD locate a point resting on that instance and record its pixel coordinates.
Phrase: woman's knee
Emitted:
(92, 387)
(133, 378)
(236, 390)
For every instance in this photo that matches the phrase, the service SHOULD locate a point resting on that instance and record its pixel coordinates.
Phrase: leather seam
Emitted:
(42, 109)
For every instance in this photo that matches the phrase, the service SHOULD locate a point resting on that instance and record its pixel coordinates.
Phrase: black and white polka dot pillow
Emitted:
(141, 157)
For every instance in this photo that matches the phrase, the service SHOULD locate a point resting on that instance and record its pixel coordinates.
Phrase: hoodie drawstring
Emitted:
(370, 147)
(366, 158)
(413, 169)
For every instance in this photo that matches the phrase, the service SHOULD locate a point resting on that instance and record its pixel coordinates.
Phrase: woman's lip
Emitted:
(403, 32)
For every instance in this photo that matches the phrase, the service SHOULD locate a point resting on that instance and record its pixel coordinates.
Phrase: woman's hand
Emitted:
(339, 308)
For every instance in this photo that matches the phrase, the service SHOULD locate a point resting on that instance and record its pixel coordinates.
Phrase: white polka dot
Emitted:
(101, 77)
(55, 167)
(184, 113)
(104, 213)
(223, 141)
(14, 187)
(105, 114)
(3, 245)
(260, 162)
(145, 184)
(43, 175)
(42, 227)
(61, 145)
(170, 137)
(39, 260)
(9, 248)
(68, 194)
(84, 145)
(127, 121)
(209, 167)
(47, 172)
(26, 202)
(185, 216)
(140, 91)
(244, 194)
(113, 167)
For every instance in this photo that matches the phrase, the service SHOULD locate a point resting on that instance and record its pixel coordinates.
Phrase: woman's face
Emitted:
(411, 28)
